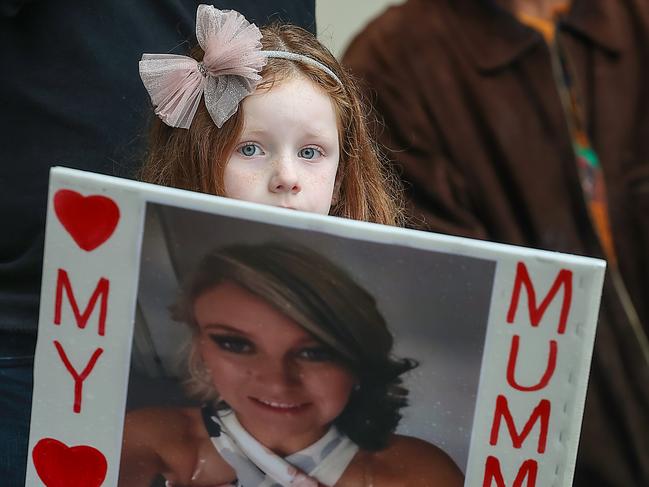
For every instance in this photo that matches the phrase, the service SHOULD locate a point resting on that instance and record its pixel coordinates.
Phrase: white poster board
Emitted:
(503, 335)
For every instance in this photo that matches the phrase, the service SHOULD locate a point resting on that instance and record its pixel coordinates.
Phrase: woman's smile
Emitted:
(279, 406)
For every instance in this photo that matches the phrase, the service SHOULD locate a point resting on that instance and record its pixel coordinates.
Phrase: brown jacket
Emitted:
(474, 122)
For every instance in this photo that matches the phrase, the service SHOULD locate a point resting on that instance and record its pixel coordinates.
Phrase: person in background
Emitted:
(70, 97)
(527, 122)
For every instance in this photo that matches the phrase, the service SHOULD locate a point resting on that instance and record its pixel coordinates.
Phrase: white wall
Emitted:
(340, 20)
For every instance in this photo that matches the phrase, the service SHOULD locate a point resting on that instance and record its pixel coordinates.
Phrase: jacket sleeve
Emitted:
(437, 192)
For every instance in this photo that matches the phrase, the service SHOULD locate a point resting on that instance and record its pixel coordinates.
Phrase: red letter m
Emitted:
(492, 472)
(564, 278)
(541, 411)
(101, 290)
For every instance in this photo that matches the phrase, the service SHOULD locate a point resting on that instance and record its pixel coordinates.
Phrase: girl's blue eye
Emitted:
(250, 150)
(309, 153)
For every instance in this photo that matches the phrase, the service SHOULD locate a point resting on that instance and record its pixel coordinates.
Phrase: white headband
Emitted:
(293, 56)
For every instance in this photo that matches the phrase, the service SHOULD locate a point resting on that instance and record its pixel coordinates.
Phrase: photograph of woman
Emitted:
(293, 363)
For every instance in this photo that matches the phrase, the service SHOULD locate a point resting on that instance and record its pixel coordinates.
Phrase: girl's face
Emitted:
(288, 151)
(285, 387)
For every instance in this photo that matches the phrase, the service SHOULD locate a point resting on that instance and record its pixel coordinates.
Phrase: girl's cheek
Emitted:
(241, 180)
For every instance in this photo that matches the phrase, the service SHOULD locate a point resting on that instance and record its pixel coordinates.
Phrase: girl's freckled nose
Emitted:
(284, 178)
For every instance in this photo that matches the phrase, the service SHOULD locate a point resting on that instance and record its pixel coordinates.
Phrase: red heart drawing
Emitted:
(90, 220)
(59, 465)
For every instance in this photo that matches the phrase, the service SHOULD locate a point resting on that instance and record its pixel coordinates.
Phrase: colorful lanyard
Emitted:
(589, 168)
(593, 186)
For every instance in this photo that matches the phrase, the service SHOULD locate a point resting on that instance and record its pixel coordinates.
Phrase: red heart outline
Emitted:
(90, 220)
(59, 465)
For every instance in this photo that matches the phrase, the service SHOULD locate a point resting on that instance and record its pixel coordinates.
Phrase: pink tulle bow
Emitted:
(229, 71)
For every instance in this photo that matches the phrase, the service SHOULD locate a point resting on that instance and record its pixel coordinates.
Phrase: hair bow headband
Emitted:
(228, 73)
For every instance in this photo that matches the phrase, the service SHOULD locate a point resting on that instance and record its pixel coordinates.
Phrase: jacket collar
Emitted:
(601, 21)
(493, 38)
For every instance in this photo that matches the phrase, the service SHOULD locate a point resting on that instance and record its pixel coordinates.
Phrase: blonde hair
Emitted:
(195, 159)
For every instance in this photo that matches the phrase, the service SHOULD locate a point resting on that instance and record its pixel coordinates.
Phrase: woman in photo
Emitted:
(293, 361)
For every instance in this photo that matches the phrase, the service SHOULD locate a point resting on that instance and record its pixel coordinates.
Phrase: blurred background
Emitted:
(340, 20)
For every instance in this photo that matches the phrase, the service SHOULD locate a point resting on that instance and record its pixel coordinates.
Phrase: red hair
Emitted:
(195, 159)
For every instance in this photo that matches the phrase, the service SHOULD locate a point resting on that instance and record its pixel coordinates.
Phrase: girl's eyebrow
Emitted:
(308, 132)
(254, 131)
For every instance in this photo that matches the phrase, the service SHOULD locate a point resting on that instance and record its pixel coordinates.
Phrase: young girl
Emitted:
(275, 121)
(295, 361)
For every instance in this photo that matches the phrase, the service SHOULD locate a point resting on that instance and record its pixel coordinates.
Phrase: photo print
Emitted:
(175, 325)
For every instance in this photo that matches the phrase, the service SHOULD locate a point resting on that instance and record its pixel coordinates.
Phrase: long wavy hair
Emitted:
(328, 304)
(195, 159)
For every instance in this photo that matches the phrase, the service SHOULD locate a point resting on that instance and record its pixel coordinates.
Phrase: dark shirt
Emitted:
(71, 95)
(474, 122)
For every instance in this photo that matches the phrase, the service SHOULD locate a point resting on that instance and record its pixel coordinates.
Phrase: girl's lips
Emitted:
(280, 407)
